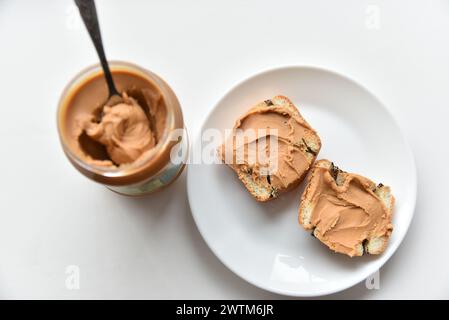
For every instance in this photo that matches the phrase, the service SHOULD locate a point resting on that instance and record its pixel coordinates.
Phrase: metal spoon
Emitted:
(89, 15)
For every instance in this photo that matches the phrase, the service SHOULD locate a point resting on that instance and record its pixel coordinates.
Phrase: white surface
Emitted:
(52, 217)
(262, 242)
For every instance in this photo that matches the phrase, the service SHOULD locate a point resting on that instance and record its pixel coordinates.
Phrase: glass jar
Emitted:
(155, 168)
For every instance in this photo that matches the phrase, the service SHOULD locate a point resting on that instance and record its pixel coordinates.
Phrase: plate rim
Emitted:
(386, 256)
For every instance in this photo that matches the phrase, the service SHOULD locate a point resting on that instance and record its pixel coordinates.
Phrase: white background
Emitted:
(52, 217)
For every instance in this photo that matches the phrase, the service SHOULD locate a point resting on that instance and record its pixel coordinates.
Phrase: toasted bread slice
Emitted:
(347, 212)
(297, 147)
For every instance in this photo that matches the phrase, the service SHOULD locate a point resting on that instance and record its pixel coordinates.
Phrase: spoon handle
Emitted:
(89, 15)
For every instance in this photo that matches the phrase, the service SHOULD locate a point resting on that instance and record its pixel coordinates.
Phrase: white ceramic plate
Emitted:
(263, 242)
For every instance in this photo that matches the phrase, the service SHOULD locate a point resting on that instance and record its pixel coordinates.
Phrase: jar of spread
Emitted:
(135, 146)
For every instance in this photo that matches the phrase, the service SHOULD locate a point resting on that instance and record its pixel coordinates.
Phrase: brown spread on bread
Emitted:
(348, 212)
(296, 144)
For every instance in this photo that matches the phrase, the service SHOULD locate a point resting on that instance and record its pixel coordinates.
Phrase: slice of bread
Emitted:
(338, 205)
(302, 148)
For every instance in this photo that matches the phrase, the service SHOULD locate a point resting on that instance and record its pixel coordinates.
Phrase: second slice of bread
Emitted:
(373, 240)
